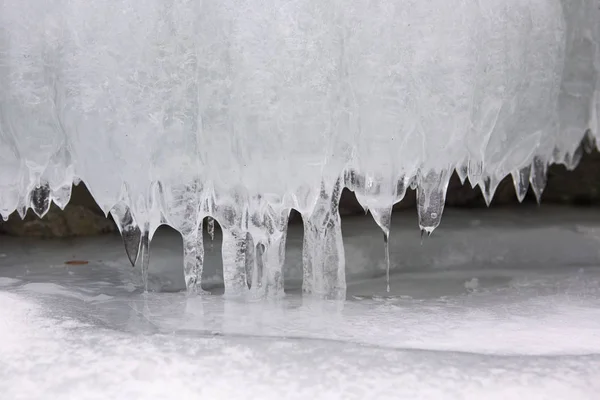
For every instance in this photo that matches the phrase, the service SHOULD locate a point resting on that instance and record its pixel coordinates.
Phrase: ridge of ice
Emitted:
(240, 110)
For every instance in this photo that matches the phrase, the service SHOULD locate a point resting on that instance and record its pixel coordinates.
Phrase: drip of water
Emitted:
(145, 255)
(383, 218)
(386, 241)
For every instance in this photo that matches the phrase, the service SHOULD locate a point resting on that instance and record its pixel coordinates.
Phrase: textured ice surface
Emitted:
(531, 326)
(171, 111)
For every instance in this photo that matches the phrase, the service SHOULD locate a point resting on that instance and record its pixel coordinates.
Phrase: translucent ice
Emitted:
(171, 111)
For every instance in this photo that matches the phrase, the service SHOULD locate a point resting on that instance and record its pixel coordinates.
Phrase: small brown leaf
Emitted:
(77, 262)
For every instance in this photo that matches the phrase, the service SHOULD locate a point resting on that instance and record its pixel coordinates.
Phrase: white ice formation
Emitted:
(174, 110)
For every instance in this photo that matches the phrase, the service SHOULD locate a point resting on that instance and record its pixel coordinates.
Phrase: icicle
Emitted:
(323, 251)
(589, 141)
(193, 260)
(130, 232)
(274, 254)
(490, 184)
(351, 179)
(362, 185)
(462, 172)
(258, 269)
(538, 177)
(431, 197)
(250, 262)
(401, 187)
(308, 279)
(386, 241)
(62, 196)
(40, 200)
(22, 208)
(572, 160)
(521, 182)
(383, 218)
(234, 262)
(145, 255)
(475, 173)
(132, 236)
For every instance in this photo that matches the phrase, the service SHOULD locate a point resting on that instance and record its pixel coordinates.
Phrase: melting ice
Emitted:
(171, 111)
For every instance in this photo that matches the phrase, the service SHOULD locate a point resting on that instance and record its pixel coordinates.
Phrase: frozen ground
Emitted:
(493, 305)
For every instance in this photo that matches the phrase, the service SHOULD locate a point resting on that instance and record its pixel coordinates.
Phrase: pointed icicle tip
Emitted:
(401, 187)
(40, 200)
(589, 141)
(475, 173)
(383, 218)
(431, 198)
(22, 210)
(490, 184)
(462, 172)
(132, 236)
(130, 231)
(521, 182)
(538, 177)
(62, 196)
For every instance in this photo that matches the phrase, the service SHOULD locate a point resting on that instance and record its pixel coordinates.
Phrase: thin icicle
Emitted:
(22, 208)
(488, 189)
(538, 177)
(386, 241)
(401, 187)
(130, 232)
(193, 260)
(258, 269)
(323, 251)
(274, 256)
(250, 261)
(383, 218)
(145, 255)
(132, 236)
(234, 262)
(475, 173)
(521, 182)
(462, 172)
(307, 257)
(431, 197)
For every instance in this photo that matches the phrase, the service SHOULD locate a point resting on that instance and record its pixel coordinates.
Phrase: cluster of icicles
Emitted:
(172, 111)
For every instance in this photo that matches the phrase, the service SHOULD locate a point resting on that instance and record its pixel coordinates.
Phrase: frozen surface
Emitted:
(495, 305)
(174, 110)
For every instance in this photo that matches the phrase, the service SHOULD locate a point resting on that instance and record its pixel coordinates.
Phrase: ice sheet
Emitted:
(523, 320)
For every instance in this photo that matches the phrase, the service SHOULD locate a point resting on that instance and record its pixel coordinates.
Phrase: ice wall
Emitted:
(174, 110)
